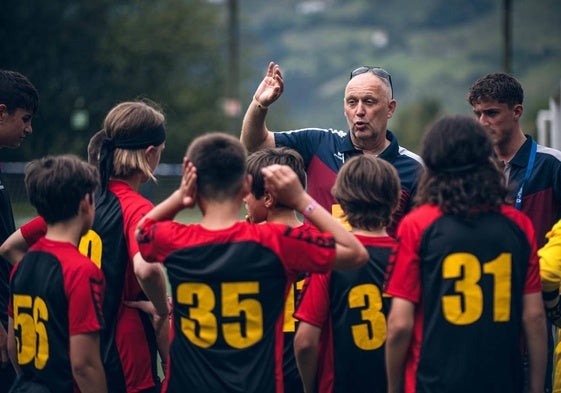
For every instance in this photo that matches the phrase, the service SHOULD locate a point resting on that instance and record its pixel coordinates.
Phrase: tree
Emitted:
(91, 55)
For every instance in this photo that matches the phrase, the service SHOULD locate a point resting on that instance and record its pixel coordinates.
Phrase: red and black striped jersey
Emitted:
(351, 310)
(229, 287)
(128, 343)
(467, 279)
(56, 293)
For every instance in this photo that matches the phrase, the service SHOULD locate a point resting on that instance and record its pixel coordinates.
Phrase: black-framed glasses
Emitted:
(378, 71)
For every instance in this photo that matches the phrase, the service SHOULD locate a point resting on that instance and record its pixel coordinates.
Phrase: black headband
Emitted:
(458, 169)
(140, 140)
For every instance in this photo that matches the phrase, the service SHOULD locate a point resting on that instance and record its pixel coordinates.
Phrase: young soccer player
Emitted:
(340, 339)
(56, 292)
(262, 206)
(229, 278)
(134, 139)
(465, 280)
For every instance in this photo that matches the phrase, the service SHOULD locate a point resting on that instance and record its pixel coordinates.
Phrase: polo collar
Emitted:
(523, 154)
(389, 152)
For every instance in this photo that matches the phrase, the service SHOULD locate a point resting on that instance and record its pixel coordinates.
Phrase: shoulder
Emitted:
(315, 133)
(409, 155)
(549, 152)
(420, 217)
(521, 219)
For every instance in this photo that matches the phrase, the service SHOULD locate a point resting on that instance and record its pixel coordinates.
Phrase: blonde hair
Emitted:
(125, 120)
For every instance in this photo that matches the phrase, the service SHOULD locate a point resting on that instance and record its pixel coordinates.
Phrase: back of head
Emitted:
(220, 160)
(462, 174)
(94, 147)
(56, 185)
(277, 155)
(16, 91)
(499, 86)
(130, 128)
(368, 190)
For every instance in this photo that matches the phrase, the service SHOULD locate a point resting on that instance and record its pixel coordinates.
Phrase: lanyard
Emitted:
(529, 168)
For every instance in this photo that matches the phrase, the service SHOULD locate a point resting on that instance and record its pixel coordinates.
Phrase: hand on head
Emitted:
(283, 184)
(188, 187)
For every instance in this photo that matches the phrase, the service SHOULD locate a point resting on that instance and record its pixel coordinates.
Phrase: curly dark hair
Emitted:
(463, 176)
(499, 86)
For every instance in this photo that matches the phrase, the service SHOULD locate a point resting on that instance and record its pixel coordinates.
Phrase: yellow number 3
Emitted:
(466, 306)
(371, 334)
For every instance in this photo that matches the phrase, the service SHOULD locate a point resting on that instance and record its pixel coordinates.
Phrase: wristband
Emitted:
(259, 105)
(310, 208)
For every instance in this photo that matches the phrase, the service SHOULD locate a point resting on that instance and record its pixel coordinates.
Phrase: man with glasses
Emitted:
(368, 105)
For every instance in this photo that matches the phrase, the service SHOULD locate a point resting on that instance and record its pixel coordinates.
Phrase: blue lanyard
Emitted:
(518, 202)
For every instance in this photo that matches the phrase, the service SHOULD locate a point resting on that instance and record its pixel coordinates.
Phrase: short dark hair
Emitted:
(462, 175)
(500, 86)
(56, 184)
(16, 91)
(276, 155)
(368, 190)
(220, 160)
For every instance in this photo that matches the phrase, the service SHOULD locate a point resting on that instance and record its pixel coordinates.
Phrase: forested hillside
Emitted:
(85, 56)
(434, 49)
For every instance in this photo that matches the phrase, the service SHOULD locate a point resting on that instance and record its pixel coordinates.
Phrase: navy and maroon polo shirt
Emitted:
(326, 150)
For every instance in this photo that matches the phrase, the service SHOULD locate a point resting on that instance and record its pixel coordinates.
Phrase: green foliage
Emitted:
(89, 55)
(92, 55)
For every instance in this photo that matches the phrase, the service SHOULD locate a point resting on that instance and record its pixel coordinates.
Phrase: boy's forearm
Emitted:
(168, 208)
(350, 253)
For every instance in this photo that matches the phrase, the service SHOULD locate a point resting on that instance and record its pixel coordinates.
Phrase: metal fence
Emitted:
(168, 175)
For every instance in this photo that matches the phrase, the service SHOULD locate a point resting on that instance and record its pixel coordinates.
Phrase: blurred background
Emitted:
(202, 60)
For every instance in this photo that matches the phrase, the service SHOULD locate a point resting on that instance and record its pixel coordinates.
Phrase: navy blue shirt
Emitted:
(326, 150)
(541, 196)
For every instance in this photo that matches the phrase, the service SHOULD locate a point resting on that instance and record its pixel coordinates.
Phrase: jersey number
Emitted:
(91, 246)
(289, 307)
(30, 315)
(201, 326)
(372, 333)
(466, 306)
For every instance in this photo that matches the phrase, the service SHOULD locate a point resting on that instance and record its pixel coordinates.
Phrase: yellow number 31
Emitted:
(466, 306)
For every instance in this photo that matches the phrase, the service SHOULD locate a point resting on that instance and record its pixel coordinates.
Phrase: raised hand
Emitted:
(271, 87)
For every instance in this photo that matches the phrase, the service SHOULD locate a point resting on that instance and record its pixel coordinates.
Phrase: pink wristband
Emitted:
(310, 208)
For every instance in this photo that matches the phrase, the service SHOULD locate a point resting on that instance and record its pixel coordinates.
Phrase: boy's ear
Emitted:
(246, 186)
(269, 200)
(85, 203)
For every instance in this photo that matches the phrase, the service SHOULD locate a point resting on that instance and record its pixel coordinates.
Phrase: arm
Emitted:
(550, 273)
(283, 183)
(306, 348)
(182, 198)
(12, 350)
(400, 329)
(14, 247)
(85, 359)
(152, 280)
(535, 331)
(255, 134)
